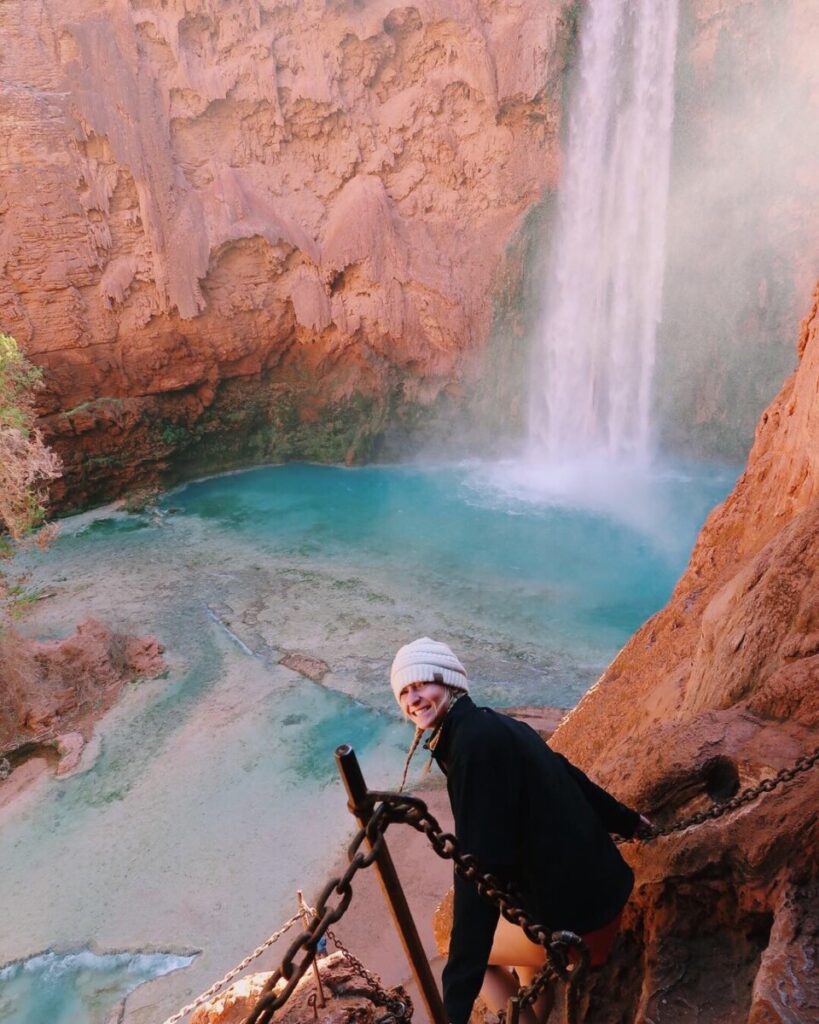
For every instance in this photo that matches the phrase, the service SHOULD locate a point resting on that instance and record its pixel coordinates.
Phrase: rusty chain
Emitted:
(395, 1007)
(567, 956)
(802, 764)
(386, 809)
(326, 914)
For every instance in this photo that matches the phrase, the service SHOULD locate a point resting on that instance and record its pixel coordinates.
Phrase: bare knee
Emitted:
(501, 983)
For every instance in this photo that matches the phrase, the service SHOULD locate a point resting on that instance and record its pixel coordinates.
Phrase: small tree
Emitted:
(26, 462)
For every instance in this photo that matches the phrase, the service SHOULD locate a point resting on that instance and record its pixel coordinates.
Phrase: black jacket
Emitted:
(532, 818)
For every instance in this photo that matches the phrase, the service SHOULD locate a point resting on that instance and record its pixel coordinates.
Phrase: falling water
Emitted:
(595, 357)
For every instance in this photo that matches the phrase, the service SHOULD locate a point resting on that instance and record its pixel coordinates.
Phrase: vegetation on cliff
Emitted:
(26, 463)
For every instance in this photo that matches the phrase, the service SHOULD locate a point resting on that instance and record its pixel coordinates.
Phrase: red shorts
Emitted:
(601, 940)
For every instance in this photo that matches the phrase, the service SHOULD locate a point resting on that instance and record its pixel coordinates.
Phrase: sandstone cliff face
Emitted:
(721, 689)
(260, 228)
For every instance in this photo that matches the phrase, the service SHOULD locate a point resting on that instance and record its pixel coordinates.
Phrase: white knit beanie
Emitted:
(423, 660)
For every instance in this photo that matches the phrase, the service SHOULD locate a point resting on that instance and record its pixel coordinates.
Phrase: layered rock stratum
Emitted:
(268, 229)
(718, 691)
(255, 230)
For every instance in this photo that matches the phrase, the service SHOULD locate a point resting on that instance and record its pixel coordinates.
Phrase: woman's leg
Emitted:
(511, 948)
(499, 984)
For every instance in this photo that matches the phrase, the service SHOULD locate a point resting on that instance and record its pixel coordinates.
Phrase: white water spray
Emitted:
(593, 364)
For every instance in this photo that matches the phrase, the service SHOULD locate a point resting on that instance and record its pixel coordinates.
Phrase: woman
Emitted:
(529, 816)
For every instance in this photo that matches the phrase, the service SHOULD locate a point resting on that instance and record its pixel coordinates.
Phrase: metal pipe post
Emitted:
(350, 772)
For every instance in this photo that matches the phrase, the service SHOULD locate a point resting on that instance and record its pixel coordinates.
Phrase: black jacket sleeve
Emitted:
(474, 921)
(483, 782)
(616, 817)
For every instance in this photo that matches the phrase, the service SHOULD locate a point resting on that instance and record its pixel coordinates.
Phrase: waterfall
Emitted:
(594, 359)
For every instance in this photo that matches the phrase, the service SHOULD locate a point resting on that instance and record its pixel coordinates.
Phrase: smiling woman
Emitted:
(425, 704)
(426, 679)
(529, 816)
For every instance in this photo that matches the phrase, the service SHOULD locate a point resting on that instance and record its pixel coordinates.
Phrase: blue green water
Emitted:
(210, 795)
(74, 987)
(572, 581)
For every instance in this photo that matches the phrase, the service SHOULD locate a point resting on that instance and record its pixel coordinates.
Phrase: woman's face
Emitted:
(425, 704)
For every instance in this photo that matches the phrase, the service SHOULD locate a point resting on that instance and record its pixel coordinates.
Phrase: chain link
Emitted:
(292, 970)
(386, 809)
(558, 945)
(379, 995)
(747, 796)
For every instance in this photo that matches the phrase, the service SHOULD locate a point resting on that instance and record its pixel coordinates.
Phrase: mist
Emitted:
(743, 225)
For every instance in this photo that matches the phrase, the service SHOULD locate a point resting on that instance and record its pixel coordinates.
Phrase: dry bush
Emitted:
(26, 462)
(26, 466)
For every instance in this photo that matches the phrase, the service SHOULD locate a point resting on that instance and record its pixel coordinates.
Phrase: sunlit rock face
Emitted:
(254, 230)
(716, 692)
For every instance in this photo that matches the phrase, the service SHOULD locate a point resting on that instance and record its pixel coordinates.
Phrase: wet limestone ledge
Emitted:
(113, 446)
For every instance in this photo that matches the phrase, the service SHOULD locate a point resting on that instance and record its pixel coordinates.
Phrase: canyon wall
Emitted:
(716, 692)
(261, 229)
(269, 229)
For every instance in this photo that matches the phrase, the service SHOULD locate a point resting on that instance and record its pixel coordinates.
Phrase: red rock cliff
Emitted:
(718, 690)
(256, 229)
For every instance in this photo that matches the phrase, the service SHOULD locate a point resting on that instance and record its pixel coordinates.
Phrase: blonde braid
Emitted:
(416, 739)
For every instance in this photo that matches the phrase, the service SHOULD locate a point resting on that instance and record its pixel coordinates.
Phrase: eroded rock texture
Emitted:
(717, 691)
(51, 687)
(260, 228)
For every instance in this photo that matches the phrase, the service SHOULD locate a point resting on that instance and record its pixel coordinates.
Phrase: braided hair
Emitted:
(416, 739)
